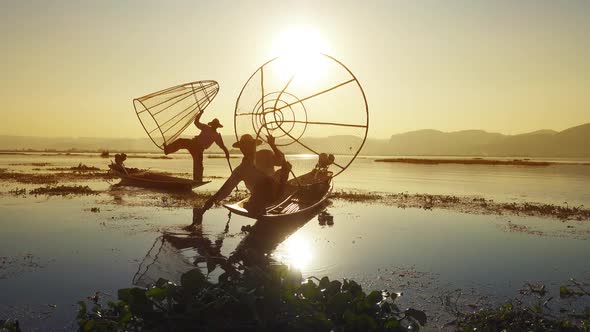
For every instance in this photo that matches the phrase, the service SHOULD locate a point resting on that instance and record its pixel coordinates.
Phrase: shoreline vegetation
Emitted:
(476, 161)
(408, 159)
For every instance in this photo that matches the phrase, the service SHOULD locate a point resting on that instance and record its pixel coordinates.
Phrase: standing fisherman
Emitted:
(198, 144)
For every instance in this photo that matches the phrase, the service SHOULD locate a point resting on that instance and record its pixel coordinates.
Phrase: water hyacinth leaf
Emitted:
(88, 325)
(82, 311)
(279, 271)
(352, 287)
(374, 297)
(124, 294)
(293, 279)
(162, 282)
(349, 316)
(361, 304)
(334, 287)
(309, 290)
(392, 324)
(339, 302)
(125, 317)
(360, 322)
(258, 298)
(565, 292)
(385, 307)
(157, 293)
(318, 322)
(324, 283)
(193, 280)
(418, 315)
(139, 302)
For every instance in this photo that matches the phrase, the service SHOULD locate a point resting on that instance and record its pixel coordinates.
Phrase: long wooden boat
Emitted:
(154, 180)
(301, 199)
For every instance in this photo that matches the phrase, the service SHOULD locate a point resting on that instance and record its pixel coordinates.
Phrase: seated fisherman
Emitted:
(321, 168)
(119, 159)
(263, 188)
(266, 160)
(198, 144)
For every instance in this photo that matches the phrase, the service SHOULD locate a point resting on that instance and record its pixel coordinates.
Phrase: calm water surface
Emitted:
(554, 184)
(62, 252)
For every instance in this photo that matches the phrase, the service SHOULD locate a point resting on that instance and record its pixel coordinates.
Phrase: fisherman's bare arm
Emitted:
(226, 189)
(198, 121)
(279, 156)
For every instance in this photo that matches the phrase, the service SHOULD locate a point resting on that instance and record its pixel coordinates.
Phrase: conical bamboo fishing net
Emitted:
(167, 113)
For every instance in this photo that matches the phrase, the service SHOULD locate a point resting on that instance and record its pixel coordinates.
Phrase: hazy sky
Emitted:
(72, 68)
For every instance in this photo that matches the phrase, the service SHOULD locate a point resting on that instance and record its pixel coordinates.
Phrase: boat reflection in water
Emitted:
(173, 254)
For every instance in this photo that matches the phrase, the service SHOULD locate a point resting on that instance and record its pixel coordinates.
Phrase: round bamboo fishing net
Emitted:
(311, 104)
(167, 113)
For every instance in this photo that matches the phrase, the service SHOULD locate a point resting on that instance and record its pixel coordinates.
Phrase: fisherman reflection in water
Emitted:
(198, 144)
(264, 186)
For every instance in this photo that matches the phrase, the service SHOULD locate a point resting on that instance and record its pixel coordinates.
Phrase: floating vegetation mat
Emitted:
(467, 204)
(63, 190)
(150, 198)
(31, 164)
(475, 161)
(149, 157)
(80, 168)
(28, 177)
(70, 175)
(13, 266)
(353, 196)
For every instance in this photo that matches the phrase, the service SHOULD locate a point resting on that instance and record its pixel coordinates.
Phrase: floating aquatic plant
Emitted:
(254, 298)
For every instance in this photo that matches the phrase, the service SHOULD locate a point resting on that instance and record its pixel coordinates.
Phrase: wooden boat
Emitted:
(145, 179)
(302, 198)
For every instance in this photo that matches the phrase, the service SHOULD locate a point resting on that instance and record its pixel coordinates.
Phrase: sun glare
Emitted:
(299, 51)
(297, 252)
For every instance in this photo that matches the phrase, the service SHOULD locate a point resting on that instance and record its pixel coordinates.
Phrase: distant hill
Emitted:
(572, 142)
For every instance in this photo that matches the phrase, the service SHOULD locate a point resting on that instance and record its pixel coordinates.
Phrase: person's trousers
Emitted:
(194, 149)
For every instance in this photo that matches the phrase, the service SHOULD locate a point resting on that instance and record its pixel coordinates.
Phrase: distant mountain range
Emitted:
(572, 142)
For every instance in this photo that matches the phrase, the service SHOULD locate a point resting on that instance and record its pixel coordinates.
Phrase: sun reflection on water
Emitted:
(296, 252)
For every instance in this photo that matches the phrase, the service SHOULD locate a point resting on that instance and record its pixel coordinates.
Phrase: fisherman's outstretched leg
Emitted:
(181, 143)
(197, 165)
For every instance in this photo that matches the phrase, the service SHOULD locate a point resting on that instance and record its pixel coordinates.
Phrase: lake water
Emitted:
(57, 251)
(554, 184)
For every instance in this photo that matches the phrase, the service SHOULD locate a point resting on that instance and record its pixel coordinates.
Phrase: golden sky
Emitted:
(72, 68)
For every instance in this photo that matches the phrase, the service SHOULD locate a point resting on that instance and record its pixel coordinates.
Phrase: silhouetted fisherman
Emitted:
(198, 144)
(264, 189)
(119, 162)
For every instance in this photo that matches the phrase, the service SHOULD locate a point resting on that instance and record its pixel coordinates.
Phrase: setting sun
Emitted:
(299, 51)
